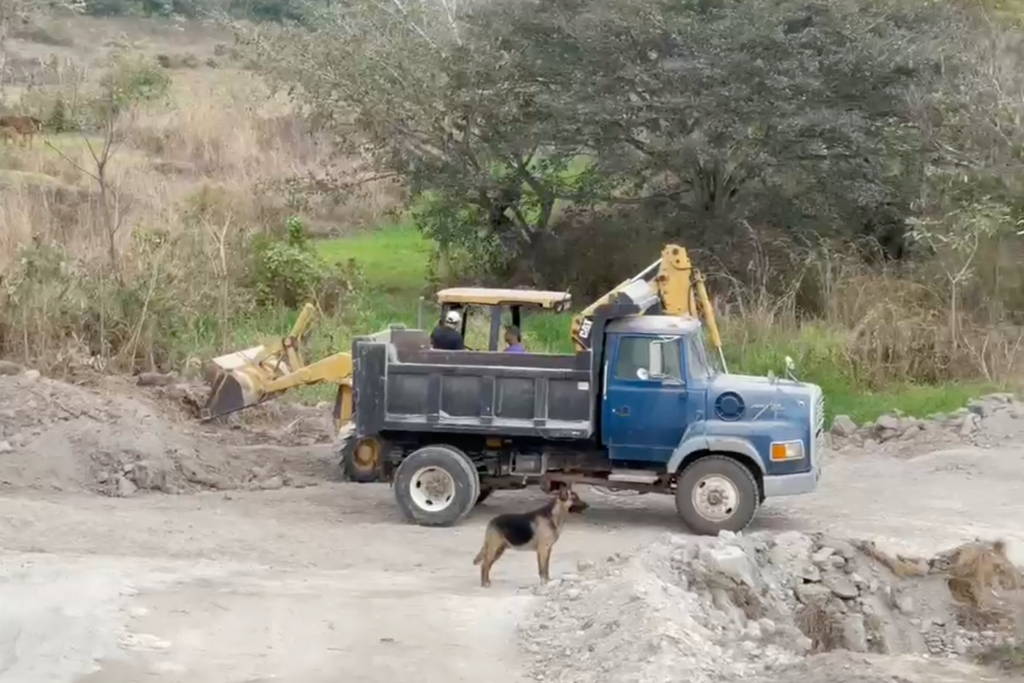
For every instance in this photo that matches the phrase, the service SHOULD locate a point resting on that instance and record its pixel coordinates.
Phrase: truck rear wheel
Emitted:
(436, 486)
(716, 493)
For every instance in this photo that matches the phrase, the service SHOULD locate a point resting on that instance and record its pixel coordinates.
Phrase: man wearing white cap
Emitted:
(446, 335)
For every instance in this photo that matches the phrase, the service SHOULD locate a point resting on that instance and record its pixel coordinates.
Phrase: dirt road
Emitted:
(327, 583)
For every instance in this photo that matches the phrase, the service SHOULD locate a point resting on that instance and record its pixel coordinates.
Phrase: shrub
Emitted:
(289, 271)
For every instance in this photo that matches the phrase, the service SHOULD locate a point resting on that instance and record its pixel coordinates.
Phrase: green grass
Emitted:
(820, 358)
(393, 260)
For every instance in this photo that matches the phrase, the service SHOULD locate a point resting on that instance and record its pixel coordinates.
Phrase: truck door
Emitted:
(644, 413)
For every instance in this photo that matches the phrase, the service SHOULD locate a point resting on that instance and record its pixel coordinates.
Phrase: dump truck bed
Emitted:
(401, 385)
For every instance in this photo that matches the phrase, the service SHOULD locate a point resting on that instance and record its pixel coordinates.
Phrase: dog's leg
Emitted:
(544, 559)
(492, 551)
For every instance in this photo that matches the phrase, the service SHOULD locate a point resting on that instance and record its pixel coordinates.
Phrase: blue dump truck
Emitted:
(641, 405)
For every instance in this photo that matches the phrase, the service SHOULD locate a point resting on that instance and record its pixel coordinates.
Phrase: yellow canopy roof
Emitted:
(484, 296)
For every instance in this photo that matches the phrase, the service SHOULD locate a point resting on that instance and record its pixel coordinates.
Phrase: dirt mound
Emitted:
(737, 607)
(115, 438)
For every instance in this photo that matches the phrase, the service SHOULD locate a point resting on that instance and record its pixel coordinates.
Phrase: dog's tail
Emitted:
(479, 557)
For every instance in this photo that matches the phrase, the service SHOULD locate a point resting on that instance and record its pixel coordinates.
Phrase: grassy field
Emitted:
(394, 262)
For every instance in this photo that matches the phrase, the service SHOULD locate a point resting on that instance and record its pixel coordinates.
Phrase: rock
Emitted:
(811, 573)
(9, 368)
(911, 433)
(125, 488)
(730, 561)
(858, 580)
(723, 603)
(584, 565)
(841, 586)
(155, 379)
(752, 631)
(843, 426)
(6, 447)
(32, 375)
(767, 626)
(821, 557)
(791, 552)
(969, 424)
(979, 408)
(855, 637)
(843, 548)
(272, 484)
(886, 435)
(837, 562)
(905, 604)
(146, 475)
(812, 593)
(887, 423)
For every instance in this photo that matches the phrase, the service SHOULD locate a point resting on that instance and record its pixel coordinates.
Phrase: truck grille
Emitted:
(819, 423)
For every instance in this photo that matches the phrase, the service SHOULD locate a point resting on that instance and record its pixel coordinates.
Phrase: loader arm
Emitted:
(671, 284)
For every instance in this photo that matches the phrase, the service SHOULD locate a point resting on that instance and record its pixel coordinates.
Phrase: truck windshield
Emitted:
(700, 366)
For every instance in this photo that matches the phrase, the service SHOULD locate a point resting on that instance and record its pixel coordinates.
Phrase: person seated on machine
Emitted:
(514, 340)
(446, 336)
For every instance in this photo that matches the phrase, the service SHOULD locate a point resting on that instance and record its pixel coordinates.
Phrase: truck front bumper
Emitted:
(792, 484)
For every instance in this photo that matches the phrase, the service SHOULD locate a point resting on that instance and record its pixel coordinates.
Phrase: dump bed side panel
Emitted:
(482, 393)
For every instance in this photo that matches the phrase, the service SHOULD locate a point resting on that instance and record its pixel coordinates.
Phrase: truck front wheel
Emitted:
(716, 493)
(436, 486)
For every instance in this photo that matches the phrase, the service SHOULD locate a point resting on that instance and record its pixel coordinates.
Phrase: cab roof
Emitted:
(485, 296)
(655, 324)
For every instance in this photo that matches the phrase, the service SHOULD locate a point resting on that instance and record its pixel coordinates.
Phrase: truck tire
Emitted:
(361, 458)
(716, 493)
(436, 486)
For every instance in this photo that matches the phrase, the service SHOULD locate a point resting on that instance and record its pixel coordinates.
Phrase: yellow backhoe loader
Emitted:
(670, 286)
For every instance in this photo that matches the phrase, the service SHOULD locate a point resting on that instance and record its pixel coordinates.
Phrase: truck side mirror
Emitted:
(654, 359)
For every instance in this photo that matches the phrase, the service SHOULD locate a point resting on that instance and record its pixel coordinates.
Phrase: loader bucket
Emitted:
(234, 387)
(226, 397)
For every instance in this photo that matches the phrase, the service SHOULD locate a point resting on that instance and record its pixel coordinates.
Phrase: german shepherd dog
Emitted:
(537, 530)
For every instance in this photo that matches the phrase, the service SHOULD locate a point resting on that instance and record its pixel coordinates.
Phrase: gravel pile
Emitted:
(735, 607)
(987, 421)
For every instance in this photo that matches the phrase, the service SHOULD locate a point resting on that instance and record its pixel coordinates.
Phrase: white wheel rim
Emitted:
(432, 488)
(715, 498)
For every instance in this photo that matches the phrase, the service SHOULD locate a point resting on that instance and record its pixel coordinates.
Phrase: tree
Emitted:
(429, 98)
(128, 82)
(805, 119)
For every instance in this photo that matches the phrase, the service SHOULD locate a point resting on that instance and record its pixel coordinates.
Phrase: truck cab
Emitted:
(665, 406)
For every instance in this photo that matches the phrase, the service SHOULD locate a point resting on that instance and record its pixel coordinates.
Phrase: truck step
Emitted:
(634, 476)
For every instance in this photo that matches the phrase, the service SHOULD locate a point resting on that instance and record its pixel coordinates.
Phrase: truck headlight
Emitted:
(787, 450)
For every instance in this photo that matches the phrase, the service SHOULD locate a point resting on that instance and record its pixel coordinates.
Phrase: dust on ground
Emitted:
(252, 573)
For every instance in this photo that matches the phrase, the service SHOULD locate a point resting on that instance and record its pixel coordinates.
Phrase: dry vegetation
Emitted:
(193, 176)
